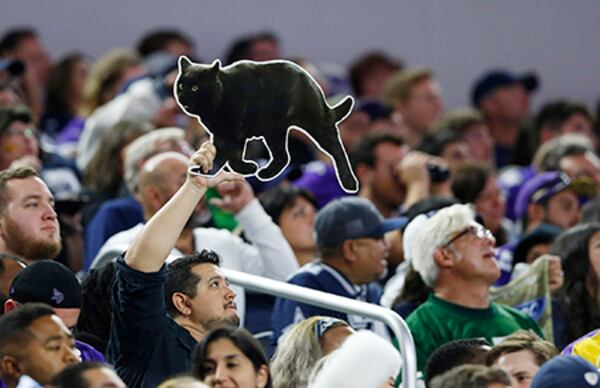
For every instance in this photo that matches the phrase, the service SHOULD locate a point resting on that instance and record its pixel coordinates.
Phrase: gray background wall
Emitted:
(458, 39)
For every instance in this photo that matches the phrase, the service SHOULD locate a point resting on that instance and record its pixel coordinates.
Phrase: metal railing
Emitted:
(338, 303)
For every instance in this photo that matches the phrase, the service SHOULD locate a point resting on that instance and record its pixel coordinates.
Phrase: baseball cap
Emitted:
(351, 218)
(49, 282)
(494, 79)
(14, 66)
(539, 189)
(566, 371)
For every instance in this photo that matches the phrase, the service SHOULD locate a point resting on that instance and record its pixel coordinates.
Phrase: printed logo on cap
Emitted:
(57, 296)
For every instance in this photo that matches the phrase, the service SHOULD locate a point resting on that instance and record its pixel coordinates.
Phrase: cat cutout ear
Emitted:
(216, 65)
(184, 62)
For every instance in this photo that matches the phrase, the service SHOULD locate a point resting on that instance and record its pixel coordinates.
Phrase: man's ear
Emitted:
(10, 368)
(182, 303)
(10, 305)
(443, 258)
(348, 250)
(364, 174)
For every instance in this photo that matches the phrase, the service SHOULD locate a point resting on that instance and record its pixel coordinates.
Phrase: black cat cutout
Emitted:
(262, 100)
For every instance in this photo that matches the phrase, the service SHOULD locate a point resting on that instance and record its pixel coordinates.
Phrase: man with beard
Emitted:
(28, 223)
(146, 345)
(269, 255)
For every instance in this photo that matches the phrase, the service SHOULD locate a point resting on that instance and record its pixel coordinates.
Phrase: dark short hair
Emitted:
(555, 113)
(281, 197)
(469, 180)
(14, 325)
(241, 339)
(8, 175)
(10, 114)
(72, 375)
(157, 40)
(451, 355)
(471, 376)
(12, 38)
(180, 277)
(541, 350)
(436, 143)
(364, 65)
(364, 152)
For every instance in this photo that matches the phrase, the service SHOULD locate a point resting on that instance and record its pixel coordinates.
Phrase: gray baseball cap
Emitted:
(351, 218)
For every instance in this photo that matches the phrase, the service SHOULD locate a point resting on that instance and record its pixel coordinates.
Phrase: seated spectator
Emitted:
(293, 210)
(521, 354)
(266, 253)
(472, 376)
(476, 184)
(448, 145)
(364, 360)
(470, 124)
(415, 94)
(352, 250)
(551, 198)
(35, 345)
(578, 310)
(455, 257)
(107, 77)
(52, 283)
(370, 73)
(231, 357)
(566, 371)
(87, 375)
(303, 346)
(261, 46)
(453, 354)
(533, 245)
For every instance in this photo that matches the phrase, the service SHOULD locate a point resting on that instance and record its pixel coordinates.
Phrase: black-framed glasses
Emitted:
(478, 231)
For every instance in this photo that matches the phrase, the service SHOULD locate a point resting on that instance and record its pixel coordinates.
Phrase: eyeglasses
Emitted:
(27, 132)
(477, 230)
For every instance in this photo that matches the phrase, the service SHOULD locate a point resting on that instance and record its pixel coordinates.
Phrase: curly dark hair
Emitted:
(578, 300)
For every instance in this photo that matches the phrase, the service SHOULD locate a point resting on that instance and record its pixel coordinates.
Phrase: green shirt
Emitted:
(437, 322)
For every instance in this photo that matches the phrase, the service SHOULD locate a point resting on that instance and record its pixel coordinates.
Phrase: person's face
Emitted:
(594, 254)
(396, 249)
(264, 50)
(11, 269)
(424, 105)
(29, 227)
(455, 154)
(370, 259)
(354, 128)
(214, 304)
(334, 338)
(226, 366)
(586, 165)
(68, 315)
(19, 139)
(50, 351)
(296, 224)
(511, 102)
(385, 183)
(521, 366)
(581, 125)
(102, 378)
(474, 257)
(490, 204)
(563, 210)
(32, 52)
(79, 76)
(481, 143)
(536, 251)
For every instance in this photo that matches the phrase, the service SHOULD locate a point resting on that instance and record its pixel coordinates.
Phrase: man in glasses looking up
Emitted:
(455, 257)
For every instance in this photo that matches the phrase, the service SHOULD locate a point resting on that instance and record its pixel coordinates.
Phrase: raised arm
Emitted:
(153, 244)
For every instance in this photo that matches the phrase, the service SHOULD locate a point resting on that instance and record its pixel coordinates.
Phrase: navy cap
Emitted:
(566, 371)
(14, 66)
(49, 282)
(351, 218)
(499, 78)
(539, 189)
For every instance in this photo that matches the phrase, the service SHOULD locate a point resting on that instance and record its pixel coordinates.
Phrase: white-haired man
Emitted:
(455, 257)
